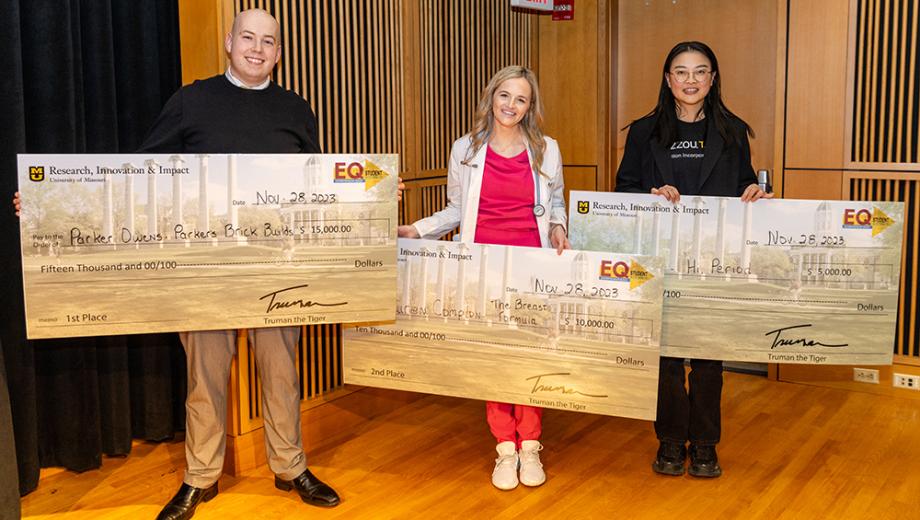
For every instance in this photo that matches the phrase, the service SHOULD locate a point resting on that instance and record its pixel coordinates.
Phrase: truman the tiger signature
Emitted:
(275, 302)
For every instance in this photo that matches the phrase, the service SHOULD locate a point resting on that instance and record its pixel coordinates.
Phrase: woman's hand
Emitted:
(753, 192)
(669, 192)
(558, 239)
(17, 203)
(399, 189)
(407, 231)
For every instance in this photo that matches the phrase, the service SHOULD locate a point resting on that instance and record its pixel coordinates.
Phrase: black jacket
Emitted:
(726, 170)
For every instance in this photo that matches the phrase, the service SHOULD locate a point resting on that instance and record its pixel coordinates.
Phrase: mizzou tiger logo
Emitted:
(36, 173)
(583, 207)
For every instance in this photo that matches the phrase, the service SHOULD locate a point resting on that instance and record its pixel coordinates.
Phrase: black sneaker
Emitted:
(670, 459)
(704, 462)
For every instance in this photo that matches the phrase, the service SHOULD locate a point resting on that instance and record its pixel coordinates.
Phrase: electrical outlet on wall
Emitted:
(908, 381)
(865, 375)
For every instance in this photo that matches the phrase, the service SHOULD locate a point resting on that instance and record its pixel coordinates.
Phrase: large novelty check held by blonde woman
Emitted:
(116, 244)
(782, 281)
(521, 325)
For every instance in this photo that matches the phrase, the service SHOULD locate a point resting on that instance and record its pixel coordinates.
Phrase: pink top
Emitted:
(506, 202)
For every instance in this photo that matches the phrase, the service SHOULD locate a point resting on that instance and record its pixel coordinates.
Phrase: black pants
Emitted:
(695, 416)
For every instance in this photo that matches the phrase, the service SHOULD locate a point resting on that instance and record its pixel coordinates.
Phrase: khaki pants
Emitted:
(209, 356)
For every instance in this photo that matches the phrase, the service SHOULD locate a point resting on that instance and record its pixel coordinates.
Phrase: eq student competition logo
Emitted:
(36, 173)
(876, 220)
(620, 271)
(367, 172)
(583, 207)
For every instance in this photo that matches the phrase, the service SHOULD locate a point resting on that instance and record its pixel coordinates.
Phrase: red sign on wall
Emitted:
(564, 10)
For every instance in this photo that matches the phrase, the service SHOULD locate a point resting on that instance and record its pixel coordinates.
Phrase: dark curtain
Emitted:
(85, 77)
(9, 495)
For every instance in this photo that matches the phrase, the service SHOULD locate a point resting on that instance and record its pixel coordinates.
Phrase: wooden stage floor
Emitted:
(788, 451)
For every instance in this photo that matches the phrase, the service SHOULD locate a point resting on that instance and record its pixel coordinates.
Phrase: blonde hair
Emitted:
(531, 124)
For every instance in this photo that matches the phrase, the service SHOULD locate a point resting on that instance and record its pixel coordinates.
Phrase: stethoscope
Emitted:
(538, 209)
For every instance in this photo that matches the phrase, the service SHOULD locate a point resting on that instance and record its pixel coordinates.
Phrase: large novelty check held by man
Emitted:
(522, 325)
(782, 281)
(116, 244)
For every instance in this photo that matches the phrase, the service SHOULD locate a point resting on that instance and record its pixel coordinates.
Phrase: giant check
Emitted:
(521, 325)
(115, 244)
(783, 281)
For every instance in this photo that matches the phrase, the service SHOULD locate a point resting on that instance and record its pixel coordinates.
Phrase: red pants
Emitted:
(514, 422)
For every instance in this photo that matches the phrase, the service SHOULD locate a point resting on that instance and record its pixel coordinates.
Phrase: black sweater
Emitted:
(726, 169)
(215, 116)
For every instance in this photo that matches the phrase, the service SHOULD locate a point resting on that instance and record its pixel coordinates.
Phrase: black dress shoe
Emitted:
(704, 462)
(311, 489)
(182, 506)
(670, 459)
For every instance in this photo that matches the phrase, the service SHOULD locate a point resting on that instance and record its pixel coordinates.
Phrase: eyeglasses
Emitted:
(683, 76)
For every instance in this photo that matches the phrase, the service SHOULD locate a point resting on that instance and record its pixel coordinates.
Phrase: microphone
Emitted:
(763, 180)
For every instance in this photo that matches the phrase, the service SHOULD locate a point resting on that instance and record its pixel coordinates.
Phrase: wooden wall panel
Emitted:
(579, 178)
(743, 36)
(816, 83)
(574, 63)
(869, 81)
(886, 82)
(848, 127)
(886, 186)
(463, 43)
(572, 84)
(811, 184)
(345, 58)
(201, 38)
(779, 105)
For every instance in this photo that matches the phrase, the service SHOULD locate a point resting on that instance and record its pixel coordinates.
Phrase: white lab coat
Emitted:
(464, 182)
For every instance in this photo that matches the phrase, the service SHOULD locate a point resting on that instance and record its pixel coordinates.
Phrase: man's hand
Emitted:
(407, 231)
(558, 239)
(669, 192)
(17, 203)
(399, 189)
(753, 192)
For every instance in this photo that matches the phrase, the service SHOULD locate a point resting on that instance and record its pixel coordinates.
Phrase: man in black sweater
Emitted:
(240, 111)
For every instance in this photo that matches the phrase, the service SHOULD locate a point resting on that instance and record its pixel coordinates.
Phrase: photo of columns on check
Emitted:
(781, 281)
(117, 244)
(578, 331)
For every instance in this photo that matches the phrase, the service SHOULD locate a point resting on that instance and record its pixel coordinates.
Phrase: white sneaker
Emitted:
(531, 468)
(504, 476)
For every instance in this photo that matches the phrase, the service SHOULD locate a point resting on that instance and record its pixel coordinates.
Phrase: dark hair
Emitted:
(665, 113)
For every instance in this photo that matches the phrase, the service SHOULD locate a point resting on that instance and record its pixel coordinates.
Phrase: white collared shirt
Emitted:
(232, 79)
